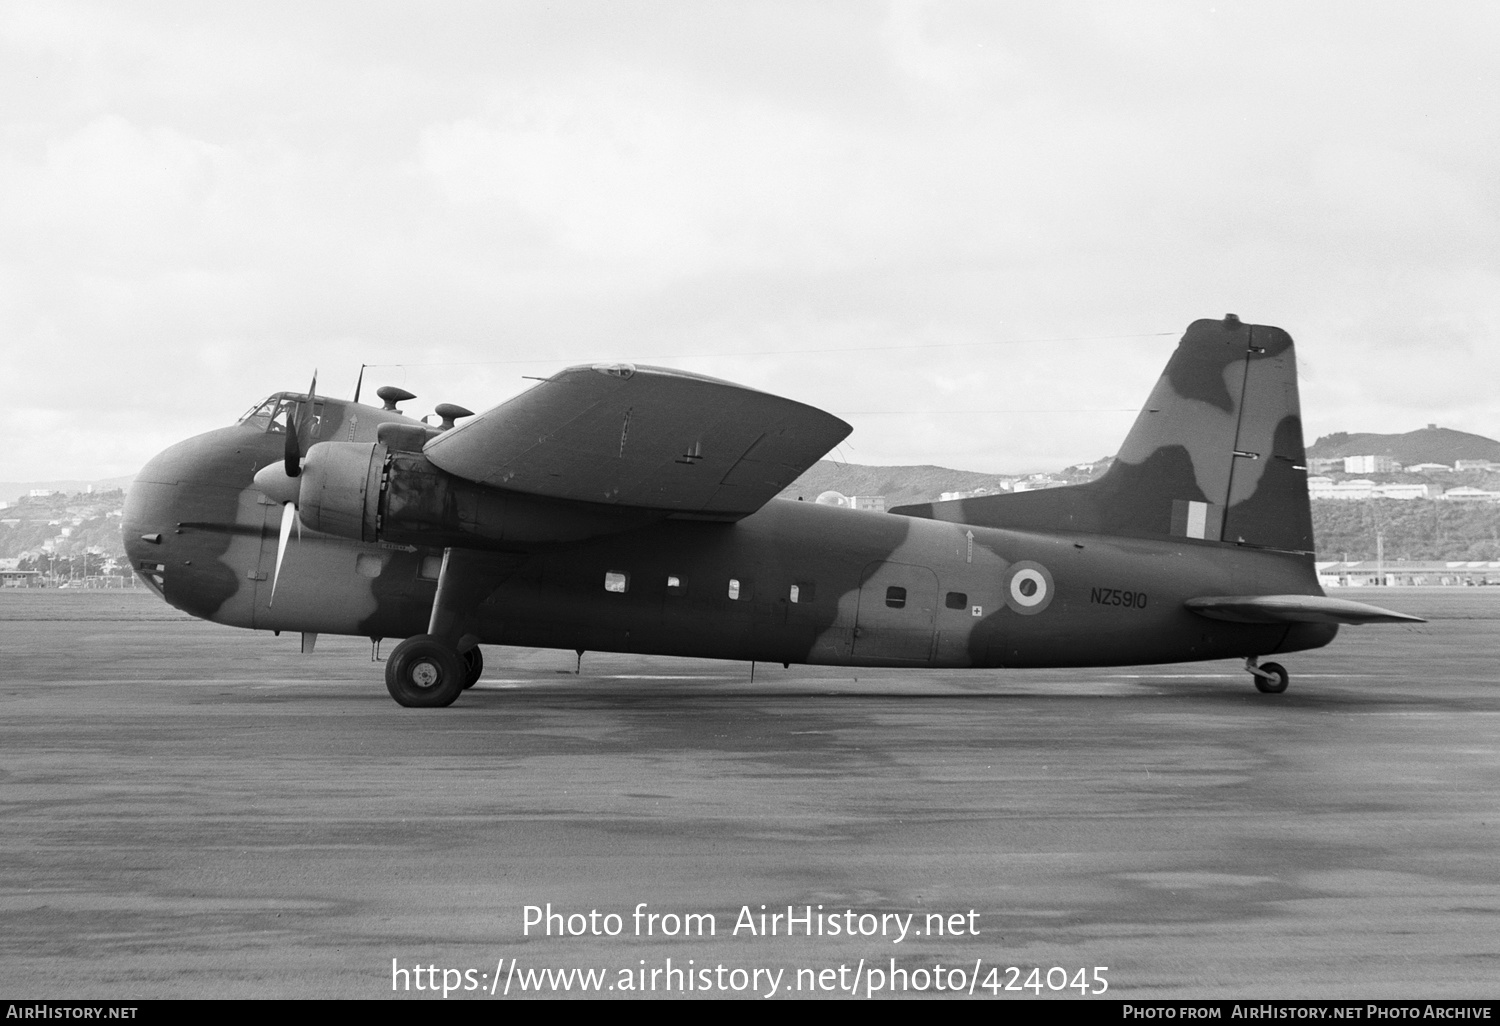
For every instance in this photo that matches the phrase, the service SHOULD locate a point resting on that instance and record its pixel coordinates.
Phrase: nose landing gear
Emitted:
(1270, 678)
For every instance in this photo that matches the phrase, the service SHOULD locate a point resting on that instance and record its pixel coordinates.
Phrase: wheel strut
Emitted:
(1270, 679)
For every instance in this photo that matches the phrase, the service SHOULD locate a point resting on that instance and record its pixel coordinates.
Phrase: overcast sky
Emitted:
(973, 230)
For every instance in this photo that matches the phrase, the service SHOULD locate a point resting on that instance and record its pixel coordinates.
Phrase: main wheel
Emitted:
(473, 667)
(424, 673)
(1276, 683)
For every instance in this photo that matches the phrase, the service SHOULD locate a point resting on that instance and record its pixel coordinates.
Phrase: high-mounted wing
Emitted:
(642, 436)
(1294, 609)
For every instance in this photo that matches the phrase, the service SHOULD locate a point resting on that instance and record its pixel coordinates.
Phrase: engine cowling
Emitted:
(370, 492)
(339, 490)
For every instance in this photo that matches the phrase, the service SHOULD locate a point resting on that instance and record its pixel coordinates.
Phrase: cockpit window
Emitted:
(260, 414)
(279, 416)
(271, 416)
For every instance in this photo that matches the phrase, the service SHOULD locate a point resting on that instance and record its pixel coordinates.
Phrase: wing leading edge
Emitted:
(645, 437)
(1294, 609)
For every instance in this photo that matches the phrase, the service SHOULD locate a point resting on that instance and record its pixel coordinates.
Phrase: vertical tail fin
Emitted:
(1215, 455)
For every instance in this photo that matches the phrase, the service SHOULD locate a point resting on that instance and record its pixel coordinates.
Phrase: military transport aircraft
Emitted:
(632, 509)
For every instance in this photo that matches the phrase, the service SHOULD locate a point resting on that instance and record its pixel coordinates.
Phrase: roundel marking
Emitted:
(1028, 587)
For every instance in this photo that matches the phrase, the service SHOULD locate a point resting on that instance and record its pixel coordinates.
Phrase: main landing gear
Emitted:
(424, 673)
(473, 667)
(1270, 678)
(430, 670)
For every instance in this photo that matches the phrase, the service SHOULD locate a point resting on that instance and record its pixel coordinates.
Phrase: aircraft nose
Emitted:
(184, 509)
(147, 522)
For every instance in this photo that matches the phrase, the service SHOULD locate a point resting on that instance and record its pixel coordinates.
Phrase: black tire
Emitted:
(1274, 685)
(473, 667)
(424, 673)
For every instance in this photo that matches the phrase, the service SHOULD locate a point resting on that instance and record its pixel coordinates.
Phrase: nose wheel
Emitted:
(424, 673)
(1270, 678)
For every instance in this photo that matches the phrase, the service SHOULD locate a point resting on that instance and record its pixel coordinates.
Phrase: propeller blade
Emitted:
(288, 514)
(293, 456)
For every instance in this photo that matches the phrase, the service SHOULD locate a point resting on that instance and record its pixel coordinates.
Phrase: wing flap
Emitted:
(644, 437)
(1294, 609)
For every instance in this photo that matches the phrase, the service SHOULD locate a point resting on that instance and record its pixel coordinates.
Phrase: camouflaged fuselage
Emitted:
(1196, 504)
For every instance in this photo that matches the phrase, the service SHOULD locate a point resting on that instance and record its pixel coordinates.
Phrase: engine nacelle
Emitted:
(339, 489)
(421, 504)
(369, 492)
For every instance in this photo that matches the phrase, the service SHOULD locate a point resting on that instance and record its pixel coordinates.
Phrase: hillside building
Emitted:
(1394, 573)
(20, 578)
(1370, 465)
(1405, 491)
(971, 493)
(1361, 488)
(1470, 495)
(1036, 482)
(875, 503)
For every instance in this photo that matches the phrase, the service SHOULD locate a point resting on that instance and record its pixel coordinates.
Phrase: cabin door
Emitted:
(896, 615)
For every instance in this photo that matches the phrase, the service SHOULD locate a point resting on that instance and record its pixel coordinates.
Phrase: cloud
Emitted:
(200, 204)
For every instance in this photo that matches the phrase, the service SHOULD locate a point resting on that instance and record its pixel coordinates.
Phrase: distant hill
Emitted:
(1412, 530)
(64, 524)
(10, 491)
(898, 484)
(902, 485)
(1428, 445)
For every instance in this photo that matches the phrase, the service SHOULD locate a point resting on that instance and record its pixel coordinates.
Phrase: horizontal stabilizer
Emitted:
(643, 437)
(1294, 609)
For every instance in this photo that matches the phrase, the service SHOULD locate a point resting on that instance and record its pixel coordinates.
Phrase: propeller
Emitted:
(293, 457)
(288, 514)
(284, 487)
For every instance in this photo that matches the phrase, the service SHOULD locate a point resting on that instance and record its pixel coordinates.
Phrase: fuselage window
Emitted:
(430, 568)
(957, 600)
(741, 591)
(895, 597)
(616, 582)
(734, 588)
(792, 595)
(676, 585)
(802, 592)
